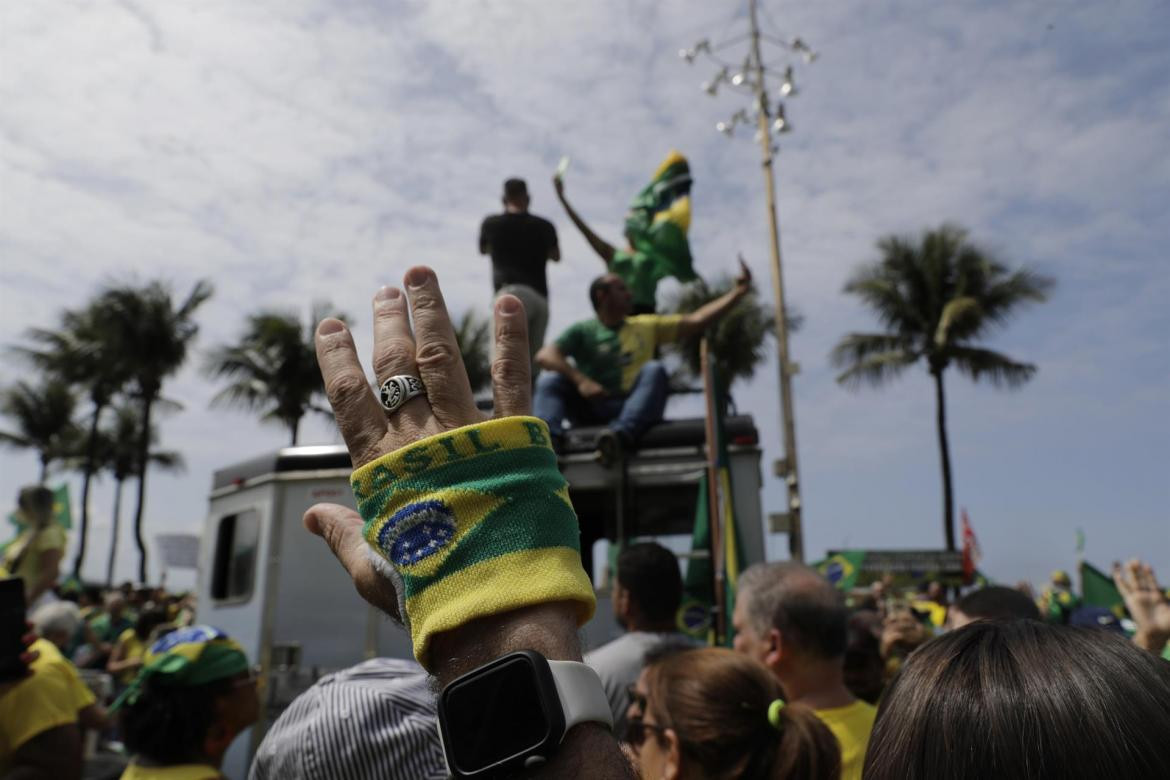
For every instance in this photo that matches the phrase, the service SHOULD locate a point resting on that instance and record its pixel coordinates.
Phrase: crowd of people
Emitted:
(465, 534)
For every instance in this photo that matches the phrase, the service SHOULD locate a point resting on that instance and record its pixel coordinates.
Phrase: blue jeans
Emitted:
(557, 399)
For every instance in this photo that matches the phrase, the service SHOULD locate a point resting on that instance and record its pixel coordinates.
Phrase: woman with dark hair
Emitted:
(193, 697)
(1024, 699)
(714, 713)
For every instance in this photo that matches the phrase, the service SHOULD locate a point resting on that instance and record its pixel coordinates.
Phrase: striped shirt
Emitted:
(376, 720)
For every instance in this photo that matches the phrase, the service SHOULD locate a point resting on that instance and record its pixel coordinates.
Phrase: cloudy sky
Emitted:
(294, 150)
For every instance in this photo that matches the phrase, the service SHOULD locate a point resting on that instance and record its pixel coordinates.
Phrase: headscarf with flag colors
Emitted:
(187, 657)
(656, 226)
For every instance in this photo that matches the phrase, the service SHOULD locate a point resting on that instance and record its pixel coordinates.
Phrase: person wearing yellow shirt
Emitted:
(193, 696)
(791, 619)
(41, 718)
(129, 650)
(36, 552)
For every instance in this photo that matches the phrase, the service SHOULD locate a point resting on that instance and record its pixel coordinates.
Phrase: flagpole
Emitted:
(768, 116)
(714, 521)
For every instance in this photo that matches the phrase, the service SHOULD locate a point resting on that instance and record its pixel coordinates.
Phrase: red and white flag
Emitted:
(971, 552)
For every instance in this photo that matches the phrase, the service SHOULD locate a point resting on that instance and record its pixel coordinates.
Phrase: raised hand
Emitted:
(430, 353)
(1146, 602)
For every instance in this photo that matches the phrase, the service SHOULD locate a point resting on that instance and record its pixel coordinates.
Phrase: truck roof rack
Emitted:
(667, 434)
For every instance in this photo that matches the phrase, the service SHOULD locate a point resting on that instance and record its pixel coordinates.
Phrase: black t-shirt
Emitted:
(519, 244)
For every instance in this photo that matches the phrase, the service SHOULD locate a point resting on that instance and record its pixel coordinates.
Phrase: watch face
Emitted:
(496, 714)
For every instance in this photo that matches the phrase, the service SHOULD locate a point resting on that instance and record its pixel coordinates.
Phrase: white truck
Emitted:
(277, 589)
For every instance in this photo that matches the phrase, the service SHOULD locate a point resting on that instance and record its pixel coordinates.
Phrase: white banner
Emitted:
(178, 551)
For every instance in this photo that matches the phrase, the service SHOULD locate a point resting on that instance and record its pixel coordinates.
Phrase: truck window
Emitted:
(236, 542)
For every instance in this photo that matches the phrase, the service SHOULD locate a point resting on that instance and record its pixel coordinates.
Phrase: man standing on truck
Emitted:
(520, 243)
(613, 378)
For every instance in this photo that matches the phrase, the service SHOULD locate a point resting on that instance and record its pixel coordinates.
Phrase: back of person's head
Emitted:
(57, 621)
(516, 191)
(1024, 699)
(864, 667)
(147, 621)
(193, 695)
(169, 724)
(720, 706)
(803, 606)
(994, 602)
(649, 573)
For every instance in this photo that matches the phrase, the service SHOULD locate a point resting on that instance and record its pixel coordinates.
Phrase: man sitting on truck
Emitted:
(614, 377)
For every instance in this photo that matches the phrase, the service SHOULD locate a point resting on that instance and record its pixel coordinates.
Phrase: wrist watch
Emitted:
(513, 712)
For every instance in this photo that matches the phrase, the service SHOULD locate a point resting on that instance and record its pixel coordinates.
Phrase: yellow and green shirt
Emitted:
(612, 357)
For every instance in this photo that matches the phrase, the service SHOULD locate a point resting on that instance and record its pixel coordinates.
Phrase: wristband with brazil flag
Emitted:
(473, 522)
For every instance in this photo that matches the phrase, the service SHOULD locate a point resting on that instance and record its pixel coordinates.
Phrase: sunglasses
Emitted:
(636, 731)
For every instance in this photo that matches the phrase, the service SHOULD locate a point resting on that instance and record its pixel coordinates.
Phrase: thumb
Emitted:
(341, 528)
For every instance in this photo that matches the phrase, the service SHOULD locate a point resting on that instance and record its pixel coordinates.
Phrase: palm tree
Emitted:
(80, 353)
(154, 334)
(474, 336)
(44, 420)
(936, 296)
(117, 452)
(736, 342)
(273, 369)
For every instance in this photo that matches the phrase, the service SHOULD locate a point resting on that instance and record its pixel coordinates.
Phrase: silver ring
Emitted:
(399, 389)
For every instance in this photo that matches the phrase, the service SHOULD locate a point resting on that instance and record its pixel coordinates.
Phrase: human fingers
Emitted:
(394, 356)
(440, 365)
(1119, 579)
(341, 528)
(511, 369)
(1146, 576)
(359, 415)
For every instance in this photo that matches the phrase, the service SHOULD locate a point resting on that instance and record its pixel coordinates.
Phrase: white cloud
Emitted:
(302, 150)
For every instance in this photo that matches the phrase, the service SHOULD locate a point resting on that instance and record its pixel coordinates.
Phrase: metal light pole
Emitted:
(751, 78)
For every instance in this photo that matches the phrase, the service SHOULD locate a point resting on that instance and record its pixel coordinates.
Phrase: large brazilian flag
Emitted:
(656, 226)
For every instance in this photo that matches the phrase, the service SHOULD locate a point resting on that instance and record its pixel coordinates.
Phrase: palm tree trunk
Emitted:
(44, 470)
(143, 456)
(114, 534)
(944, 451)
(90, 456)
(293, 427)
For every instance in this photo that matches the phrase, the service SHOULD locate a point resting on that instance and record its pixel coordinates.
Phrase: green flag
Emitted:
(1098, 590)
(842, 569)
(62, 508)
(699, 586)
(656, 226)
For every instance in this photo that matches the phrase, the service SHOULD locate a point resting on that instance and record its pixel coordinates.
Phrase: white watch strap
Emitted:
(581, 693)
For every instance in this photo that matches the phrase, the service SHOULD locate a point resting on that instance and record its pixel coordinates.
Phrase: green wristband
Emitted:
(473, 522)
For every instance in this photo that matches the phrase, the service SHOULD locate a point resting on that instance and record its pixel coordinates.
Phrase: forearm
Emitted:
(710, 312)
(1154, 641)
(551, 359)
(602, 247)
(589, 749)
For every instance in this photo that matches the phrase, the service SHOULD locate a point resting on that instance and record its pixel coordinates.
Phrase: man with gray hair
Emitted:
(791, 619)
(57, 622)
